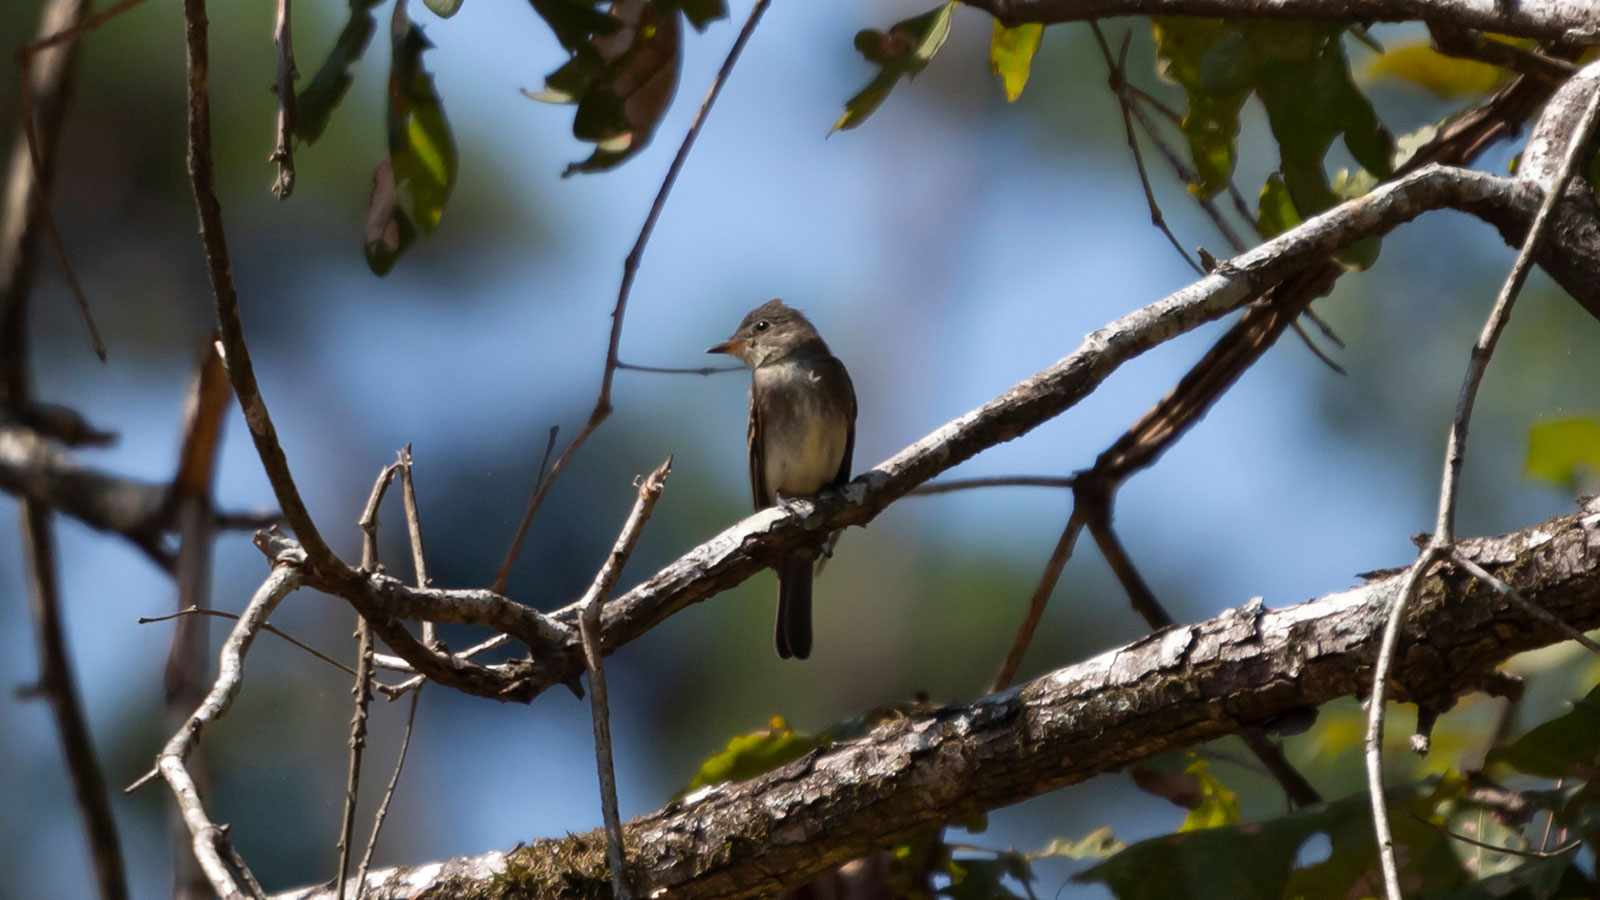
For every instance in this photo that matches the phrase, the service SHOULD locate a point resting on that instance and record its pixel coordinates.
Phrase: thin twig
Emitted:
(419, 560)
(589, 629)
(1515, 596)
(47, 85)
(184, 679)
(1140, 597)
(502, 576)
(1324, 327)
(1463, 43)
(265, 626)
(63, 23)
(1509, 851)
(388, 794)
(1315, 350)
(1118, 74)
(1444, 531)
(951, 485)
(358, 743)
(283, 152)
(630, 269)
(1037, 603)
(363, 683)
(667, 370)
(227, 873)
(219, 268)
(57, 685)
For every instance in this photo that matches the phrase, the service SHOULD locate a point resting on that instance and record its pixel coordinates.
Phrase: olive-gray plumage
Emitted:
(802, 435)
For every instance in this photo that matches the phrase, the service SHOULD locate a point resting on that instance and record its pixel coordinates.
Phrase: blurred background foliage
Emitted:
(952, 246)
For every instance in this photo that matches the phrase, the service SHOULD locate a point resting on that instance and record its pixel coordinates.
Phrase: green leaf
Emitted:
(1011, 53)
(422, 153)
(1565, 452)
(1566, 745)
(315, 105)
(1218, 805)
(904, 51)
(1202, 56)
(1446, 76)
(1276, 213)
(444, 9)
(749, 755)
(1299, 72)
(1256, 861)
(1097, 844)
(420, 142)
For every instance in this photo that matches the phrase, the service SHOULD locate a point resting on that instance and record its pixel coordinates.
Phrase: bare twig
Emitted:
(47, 80)
(388, 794)
(950, 485)
(184, 677)
(61, 23)
(1466, 44)
(1444, 532)
(368, 522)
(1315, 350)
(283, 152)
(419, 561)
(358, 743)
(363, 683)
(1532, 608)
(1509, 851)
(265, 626)
(630, 269)
(1039, 600)
(228, 876)
(592, 603)
(667, 370)
(57, 685)
(1118, 74)
(1140, 597)
(219, 267)
(502, 576)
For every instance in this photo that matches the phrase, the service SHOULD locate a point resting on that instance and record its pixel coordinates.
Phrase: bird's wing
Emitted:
(758, 476)
(834, 372)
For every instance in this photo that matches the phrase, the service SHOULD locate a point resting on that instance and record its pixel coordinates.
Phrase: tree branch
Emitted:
(1546, 20)
(751, 545)
(1183, 686)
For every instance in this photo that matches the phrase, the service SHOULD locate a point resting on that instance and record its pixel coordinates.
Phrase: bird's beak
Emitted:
(732, 348)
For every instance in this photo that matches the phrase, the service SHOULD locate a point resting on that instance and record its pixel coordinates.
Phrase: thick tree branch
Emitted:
(1180, 687)
(1546, 20)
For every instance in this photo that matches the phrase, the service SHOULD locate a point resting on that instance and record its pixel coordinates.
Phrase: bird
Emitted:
(801, 438)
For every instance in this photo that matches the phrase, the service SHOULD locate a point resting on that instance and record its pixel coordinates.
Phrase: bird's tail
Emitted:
(794, 607)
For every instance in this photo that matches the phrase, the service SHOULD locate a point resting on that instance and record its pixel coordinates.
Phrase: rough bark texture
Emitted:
(1179, 687)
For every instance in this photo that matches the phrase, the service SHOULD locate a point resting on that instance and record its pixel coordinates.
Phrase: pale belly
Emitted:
(802, 449)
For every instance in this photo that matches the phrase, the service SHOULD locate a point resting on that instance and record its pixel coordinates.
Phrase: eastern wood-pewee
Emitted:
(802, 434)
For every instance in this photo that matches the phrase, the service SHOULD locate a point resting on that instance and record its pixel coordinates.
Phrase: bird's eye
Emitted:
(762, 325)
